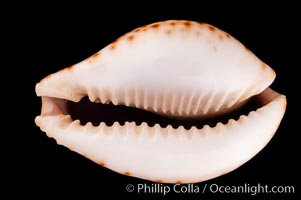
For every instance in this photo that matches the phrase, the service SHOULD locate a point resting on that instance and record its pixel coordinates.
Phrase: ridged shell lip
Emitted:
(52, 106)
(198, 154)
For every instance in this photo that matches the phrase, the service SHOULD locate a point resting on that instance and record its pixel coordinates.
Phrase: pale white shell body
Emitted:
(180, 69)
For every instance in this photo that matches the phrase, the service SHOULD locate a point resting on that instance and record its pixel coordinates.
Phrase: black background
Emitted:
(52, 40)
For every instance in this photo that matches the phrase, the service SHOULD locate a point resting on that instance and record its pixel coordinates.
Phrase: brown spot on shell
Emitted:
(93, 57)
(173, 23)
(69, 68)
(228, 36)
(127, 173)
(102, 164)
(137, 30)
(142, 28)
(179, 182)
(220, 36)
(113, 46)
(187, 23)
(263, 66)
(159, 181)
(155, 26)
(131, 38)
(211, 28)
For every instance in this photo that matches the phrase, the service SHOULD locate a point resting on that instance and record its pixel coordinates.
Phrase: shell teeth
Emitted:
(232, 122)
(142, 128)
(105, 96)
(87, 128)
(141, 131)
(165, 102)
(138, 127)
(198, 100)
(208, 103)
(128, 94)
(220, 99)
(172, 105)
(117, 96)
(189, 104)
(195, 102)
(142, 99)
(74, 124)
(155, 103)
(180, 104)
(146, 100)
(65, 121)
(105, 130)
(92, 94)
(137, 98)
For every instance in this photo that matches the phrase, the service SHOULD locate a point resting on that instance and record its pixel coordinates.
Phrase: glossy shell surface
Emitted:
(178, 69)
